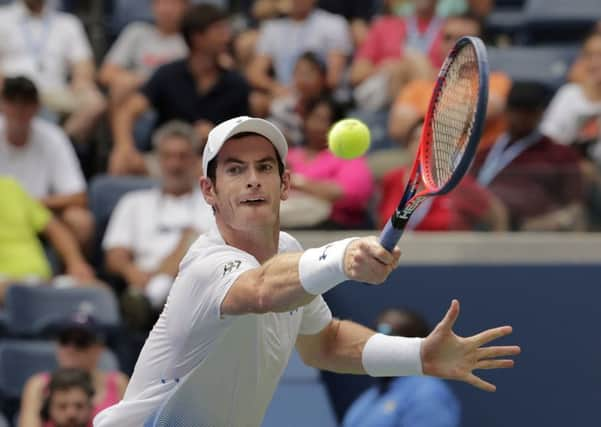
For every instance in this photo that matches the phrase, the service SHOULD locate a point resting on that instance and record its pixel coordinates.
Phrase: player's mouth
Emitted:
(253, 201)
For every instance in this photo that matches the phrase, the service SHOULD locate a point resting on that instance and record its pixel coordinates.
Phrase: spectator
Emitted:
(22, 257)
(346, 184)
(538, 180)
(282, 41)
(142, 47)
(69, 400)
(396, 50)
(80, 345)
(195, 89)
(357, 12)
(444, 8)
(412, 101)
(404, 401)
(150, 230)
(574, 115)
(52, 49)
(469, 207)
(39, 155)
(309, 83)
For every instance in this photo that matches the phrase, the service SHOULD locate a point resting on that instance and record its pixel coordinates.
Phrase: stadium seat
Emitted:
(560, 21)
(300, 383)
(103, 195)
(545, 64)
(31, 311)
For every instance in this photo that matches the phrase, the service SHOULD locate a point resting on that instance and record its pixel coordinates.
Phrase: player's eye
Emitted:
(265, 167)
(234, 170)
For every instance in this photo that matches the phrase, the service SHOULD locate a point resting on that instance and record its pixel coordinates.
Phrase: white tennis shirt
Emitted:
(233, 364)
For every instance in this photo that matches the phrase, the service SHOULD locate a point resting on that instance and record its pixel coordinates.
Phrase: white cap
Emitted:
(224, 131)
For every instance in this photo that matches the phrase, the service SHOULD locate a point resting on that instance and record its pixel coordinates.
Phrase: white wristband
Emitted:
(320, 269)
(385, 356)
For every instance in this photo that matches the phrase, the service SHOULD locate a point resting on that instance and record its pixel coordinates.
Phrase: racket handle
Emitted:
(390, 236)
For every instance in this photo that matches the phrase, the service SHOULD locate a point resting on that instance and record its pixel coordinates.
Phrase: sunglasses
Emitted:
(79, 339)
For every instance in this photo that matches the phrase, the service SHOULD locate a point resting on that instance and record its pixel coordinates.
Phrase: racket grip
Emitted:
(390, 236)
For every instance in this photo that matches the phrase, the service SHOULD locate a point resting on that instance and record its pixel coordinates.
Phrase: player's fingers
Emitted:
(489, 335)
(495, 364)
(451, 317)
(378, 252)
(499, 351)
(480, 383)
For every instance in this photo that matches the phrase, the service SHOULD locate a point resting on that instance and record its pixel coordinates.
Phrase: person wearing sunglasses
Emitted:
(80, 343)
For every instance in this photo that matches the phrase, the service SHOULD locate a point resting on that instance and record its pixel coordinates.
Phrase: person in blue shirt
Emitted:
(404, 401)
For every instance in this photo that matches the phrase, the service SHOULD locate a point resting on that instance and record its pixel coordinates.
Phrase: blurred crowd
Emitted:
(101, 137)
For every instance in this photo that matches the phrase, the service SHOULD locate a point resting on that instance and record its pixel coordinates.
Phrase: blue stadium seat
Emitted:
(20, 359)
(300, 388)
(31, 311)
(545, 64)
(560, 21)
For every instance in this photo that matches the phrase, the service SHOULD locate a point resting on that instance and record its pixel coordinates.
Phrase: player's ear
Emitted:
(285, 186)
(208, 190)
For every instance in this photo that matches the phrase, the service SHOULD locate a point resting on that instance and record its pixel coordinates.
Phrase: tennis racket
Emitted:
(451, 132)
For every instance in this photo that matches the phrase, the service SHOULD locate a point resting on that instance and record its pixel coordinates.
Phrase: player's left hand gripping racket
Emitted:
(451, 132)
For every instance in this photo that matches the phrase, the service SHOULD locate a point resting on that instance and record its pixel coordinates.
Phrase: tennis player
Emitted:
(246, 294)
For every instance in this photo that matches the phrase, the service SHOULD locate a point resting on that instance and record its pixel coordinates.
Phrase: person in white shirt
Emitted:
(142, 47)
(51, 48)
(246, 294)
(150, 230)
(39, 155)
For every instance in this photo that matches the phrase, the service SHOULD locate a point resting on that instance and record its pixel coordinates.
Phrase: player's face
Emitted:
(248, 187)
(168, 13)
(70, 408)
(591, 55)
(18, 117)
(179, 164)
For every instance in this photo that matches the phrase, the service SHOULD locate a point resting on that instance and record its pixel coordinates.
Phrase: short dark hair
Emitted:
(528, 95)
(65, 379)
(20, 89)
(212, 166)
(335, 107)
(198, 19)
(315, 60)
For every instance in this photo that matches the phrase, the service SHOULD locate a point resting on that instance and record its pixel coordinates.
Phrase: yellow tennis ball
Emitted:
(349, 138)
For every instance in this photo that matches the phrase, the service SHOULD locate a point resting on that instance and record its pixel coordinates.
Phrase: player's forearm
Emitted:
(288, 281)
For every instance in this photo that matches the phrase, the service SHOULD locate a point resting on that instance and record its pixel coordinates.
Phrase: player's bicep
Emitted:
(241, 298)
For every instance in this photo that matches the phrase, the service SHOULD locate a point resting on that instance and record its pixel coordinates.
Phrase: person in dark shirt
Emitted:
(538, 180)
(197, 89)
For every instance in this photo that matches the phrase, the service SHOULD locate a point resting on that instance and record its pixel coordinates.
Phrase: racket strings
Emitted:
(453, 116)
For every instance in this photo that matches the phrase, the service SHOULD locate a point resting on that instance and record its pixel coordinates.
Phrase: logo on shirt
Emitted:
(323, 255)
(231, 266)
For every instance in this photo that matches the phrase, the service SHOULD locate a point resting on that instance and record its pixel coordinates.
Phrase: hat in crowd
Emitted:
(238, 125)
(81, 327)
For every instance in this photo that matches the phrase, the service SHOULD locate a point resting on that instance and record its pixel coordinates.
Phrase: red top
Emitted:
(460, 210)
(386, 40)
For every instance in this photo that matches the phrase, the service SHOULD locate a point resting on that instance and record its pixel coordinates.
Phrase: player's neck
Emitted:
(262, 243)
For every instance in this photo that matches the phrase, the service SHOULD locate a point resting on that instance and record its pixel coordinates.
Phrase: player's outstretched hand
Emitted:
(365, 260)
(447, 355)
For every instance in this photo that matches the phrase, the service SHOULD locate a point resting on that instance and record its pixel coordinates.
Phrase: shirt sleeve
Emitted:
(120, 229)
(37, 214)
(339, 35)
(316, 316)
(202, 285)
(79, 47)
(560, 123)
(121, 52)
(67, 177)
(266, 45)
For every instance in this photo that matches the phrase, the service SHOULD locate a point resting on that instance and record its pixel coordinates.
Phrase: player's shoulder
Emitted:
(288, 243)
